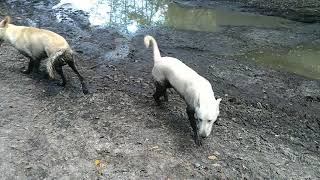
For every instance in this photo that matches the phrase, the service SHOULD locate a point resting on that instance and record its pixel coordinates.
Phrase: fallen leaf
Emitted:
(154, 147)
(97, 162)
(212, 157)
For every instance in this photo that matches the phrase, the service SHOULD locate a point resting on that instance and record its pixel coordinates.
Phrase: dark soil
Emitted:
(269, 123)
(298, 10)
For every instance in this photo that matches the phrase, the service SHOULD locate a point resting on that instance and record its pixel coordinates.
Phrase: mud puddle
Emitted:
(302, 59)
(127, 16)
(132, 16)
(212, 20)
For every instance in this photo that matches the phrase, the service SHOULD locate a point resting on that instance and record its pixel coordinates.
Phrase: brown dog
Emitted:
(38, 44)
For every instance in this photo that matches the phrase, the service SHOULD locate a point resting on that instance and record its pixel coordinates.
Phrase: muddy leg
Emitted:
(30, 67)
(157, 94)
(160, 91)
(165, 95)
(193, 124)
(73, 67)
(59, 70)
(36, 66)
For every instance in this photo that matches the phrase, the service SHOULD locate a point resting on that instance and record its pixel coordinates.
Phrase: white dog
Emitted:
(202, 106)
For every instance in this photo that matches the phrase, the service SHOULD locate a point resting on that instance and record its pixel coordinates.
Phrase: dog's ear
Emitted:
(5, 22)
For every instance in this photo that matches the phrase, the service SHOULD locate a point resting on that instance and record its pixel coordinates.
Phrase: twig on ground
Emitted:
(45, 107)
(95, 66)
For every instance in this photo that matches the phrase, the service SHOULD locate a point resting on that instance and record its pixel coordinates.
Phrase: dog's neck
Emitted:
(11, 33)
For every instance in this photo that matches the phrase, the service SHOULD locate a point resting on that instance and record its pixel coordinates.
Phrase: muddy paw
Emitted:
(85, 91)
(61, 84)
(198, 141)
(158, 103)
(25, 71)
(157, 100)
(37, 71)
(45, 76)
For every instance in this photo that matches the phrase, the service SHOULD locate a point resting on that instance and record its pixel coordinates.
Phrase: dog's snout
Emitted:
(203, 134)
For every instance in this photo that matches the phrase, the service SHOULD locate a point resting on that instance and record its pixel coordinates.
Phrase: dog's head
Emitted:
(206, 115)
(3, 27)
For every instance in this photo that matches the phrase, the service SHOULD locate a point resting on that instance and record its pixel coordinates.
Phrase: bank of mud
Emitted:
(268, 127)
(298, 10)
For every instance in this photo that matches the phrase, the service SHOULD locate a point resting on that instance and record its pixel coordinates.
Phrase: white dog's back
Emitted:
(183, 79)
(171, 67)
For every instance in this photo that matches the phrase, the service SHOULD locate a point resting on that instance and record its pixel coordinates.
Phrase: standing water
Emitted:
(131, 15)
(303, 59)
(127, 16)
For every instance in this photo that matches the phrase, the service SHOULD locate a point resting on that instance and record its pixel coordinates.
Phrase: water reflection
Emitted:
(186, 18)
(210, 20)
(303, 59)
(130, 15)
(127, 15)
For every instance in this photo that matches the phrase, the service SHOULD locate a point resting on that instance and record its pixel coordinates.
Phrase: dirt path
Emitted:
(269, 125)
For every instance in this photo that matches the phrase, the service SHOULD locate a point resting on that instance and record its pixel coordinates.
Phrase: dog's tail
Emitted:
(156, 52)
(51, 62)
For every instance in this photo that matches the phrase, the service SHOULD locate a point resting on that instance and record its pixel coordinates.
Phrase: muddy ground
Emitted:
(269, 124)
(299, 10)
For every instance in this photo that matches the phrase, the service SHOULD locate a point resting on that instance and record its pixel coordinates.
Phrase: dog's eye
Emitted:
(209, 121)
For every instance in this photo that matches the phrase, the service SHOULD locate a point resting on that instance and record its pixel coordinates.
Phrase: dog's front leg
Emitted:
(165, 95)
(36, 65)
(193, 123)
(30, 67)
(83, 84)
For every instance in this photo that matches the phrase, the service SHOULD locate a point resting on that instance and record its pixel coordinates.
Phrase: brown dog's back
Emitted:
(38, 40)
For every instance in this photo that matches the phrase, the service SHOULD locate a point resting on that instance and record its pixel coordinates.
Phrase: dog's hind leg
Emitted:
(73, 67)
(59, 70)
(161, 90)
(165, 93)
(193, 123)
(157, 95)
